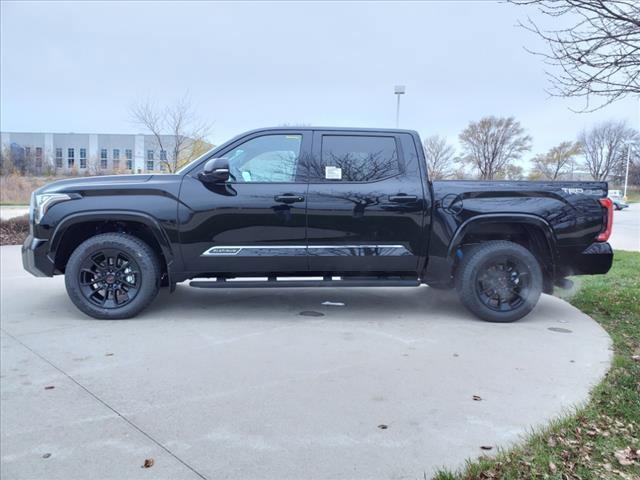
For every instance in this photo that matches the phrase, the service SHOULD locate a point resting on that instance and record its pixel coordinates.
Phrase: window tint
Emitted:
(358, 158)
(270, 158)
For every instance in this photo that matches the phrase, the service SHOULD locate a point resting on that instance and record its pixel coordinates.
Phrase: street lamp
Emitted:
(626, 174)
(398, 90)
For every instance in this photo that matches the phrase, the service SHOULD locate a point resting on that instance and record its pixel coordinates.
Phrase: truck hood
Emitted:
(97, 182)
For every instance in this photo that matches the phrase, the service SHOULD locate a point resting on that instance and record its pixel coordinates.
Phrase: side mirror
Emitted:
(215, 170)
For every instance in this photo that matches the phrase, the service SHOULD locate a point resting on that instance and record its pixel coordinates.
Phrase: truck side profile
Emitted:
(329, 206)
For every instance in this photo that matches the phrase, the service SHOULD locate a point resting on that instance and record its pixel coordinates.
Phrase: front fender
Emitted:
(112, 215)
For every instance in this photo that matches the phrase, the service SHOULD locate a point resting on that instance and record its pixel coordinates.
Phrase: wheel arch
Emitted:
(531, 231)
(76, 228)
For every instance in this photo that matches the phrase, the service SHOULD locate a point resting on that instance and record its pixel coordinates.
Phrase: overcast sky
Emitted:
(78, 67)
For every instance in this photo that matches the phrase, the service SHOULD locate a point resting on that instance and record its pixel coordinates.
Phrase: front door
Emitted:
(256, 222)
(365, 204)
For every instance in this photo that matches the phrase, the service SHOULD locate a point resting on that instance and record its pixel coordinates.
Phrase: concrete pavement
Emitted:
(626, 229)
(11, 211)
(241, 384)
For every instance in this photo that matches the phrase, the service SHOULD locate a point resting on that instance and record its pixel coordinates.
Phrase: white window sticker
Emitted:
(332, 173)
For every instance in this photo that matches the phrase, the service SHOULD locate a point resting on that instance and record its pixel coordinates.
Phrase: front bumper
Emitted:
(35, 259)
(596, 259)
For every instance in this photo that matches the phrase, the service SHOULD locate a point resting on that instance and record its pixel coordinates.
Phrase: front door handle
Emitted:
(288, 198)
(402, 198)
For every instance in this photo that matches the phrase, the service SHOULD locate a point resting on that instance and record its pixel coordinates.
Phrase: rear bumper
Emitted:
(595, 259)
(35, 259)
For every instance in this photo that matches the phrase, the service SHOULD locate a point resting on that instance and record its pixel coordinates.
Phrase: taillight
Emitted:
(603, 236)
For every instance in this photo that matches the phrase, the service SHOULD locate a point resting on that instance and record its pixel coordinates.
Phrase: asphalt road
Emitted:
(241, 384)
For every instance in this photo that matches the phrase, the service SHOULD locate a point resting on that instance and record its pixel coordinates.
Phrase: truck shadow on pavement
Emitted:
(305, 304)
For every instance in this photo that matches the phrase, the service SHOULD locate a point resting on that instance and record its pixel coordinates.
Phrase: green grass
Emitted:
(584, 445)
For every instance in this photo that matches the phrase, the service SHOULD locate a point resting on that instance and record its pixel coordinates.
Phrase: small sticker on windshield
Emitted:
(332, 173)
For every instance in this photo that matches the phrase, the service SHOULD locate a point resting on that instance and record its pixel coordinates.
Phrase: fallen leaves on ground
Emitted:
(627, 456)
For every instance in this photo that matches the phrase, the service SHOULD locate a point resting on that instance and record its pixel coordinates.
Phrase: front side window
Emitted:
(150, 165)
(128, 153)
(269, 158)
(103, 153)
(149, 154)
(129, 164)
(116, 154)
(351, 158)
(163, 155)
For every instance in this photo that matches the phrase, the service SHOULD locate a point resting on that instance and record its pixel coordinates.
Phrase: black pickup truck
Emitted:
(316, 207)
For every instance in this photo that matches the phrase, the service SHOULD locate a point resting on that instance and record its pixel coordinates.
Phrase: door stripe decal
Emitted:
(227, 250)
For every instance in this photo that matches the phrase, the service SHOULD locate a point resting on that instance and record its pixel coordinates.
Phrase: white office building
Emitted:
(88, 152)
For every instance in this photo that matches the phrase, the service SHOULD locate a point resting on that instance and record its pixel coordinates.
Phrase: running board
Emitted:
(328, 282)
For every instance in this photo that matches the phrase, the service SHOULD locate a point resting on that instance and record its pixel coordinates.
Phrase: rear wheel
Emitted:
(112, 276)
(499, 281)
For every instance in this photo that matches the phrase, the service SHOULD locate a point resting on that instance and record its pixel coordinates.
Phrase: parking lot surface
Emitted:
(626, 229)
(272, 384)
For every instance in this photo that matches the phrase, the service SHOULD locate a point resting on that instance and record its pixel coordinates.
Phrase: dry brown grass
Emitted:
(14, 230)
(16, 189)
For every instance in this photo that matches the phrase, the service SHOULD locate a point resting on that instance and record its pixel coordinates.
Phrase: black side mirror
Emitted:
(215, 170)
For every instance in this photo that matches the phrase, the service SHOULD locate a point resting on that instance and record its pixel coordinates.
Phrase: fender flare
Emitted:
(519, 218)
(113, 215)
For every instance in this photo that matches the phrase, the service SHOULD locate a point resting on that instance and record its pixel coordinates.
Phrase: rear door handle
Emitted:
(401, 198)
(288, 198)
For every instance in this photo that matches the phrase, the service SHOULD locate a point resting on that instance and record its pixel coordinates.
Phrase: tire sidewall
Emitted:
(471, 267)
(138, 250)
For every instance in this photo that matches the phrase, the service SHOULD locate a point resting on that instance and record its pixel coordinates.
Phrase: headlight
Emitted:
(44, 201)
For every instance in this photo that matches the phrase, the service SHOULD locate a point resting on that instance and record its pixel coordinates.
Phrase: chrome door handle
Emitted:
(288, 198)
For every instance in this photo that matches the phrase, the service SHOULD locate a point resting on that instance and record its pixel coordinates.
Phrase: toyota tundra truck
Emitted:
(316, 207)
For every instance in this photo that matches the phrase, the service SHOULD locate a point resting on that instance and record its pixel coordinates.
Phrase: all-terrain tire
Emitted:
(146, 277)
(508, 266)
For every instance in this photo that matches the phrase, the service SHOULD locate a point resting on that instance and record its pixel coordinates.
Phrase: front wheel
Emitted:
(499, 281)
(112, 276)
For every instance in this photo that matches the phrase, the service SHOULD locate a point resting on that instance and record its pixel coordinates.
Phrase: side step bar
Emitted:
(327, 282)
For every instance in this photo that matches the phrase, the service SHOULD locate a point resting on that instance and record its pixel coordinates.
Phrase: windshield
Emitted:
(186, 167)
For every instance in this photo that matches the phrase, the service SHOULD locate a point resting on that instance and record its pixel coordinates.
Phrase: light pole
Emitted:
(398, 90)
(626, 174)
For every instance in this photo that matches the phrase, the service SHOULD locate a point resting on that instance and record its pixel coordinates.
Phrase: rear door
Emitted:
(364, 204)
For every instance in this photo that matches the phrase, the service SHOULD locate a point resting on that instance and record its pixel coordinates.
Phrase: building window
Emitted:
(38, 157)
(58, 158)
(128, 153)
(163, 155)
(150, 165)
(116, 154)
(129, 165)
(83, 158)
(103, 158)
(163, 167)
(70, 157)
(149, 154)
(27, 151)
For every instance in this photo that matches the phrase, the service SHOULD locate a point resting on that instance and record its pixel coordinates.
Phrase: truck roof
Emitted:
(337, 129)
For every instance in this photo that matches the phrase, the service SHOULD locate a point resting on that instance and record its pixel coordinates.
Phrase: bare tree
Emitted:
(177, 131)
(439, 156)
(491, 144)
(556, 163)
(604, 148)
(599, 55)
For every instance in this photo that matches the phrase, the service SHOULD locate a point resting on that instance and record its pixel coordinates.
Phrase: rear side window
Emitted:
(358, 158)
